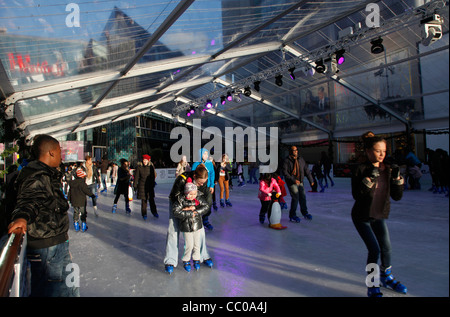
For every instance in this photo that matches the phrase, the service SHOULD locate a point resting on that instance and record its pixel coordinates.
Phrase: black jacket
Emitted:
(178, 189)
(144, 181)
(363, 195)
(41, 202)
(187, 222)
(288, 167)
(78, 192)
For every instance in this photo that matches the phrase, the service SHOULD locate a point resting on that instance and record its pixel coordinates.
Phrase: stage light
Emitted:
(208, 104)
(291, 73)
(279, 80)
(256, 85)
(223, 100)
(340, 59)
(247, 91)
(191, 111)
(377, 46)
(229, 96)
(320, 67)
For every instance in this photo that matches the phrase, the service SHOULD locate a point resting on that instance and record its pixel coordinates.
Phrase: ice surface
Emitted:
(122, 255)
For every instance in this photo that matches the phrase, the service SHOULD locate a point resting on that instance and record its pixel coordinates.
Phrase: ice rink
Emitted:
(122, 255)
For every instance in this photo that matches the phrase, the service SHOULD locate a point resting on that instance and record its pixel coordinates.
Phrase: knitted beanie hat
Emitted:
(189, 187)
(81, 173)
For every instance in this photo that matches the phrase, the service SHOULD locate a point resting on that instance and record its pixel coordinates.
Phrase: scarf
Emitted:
(296, 170)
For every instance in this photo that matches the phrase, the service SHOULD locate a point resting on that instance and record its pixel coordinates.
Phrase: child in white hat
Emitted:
(189, 209)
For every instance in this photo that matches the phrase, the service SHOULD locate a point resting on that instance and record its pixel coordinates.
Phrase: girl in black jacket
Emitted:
(373, 184)
(189, 209)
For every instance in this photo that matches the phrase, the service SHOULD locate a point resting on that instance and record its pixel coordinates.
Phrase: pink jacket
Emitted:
(264, 190)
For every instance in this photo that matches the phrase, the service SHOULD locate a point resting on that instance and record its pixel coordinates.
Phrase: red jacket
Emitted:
(281, 184)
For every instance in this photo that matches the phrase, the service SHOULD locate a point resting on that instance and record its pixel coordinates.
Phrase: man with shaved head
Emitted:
(41, 212)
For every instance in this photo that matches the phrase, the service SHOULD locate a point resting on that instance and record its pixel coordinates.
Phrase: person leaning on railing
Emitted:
(41, 212)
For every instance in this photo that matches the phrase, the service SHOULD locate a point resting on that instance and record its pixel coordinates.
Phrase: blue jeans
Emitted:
(375, 235)
(48, 272)
(298, 195)
(172, 242)
(103, 178)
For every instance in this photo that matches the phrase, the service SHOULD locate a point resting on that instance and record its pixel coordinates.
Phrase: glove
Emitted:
(375, 173)
(395, 171)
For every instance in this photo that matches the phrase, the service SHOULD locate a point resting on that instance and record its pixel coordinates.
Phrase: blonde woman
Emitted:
(183, 166)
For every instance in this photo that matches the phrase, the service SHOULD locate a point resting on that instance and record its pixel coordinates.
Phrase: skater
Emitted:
(224, 169)
(123, 182)
(199, 177)
(188, 208)
(144, 185)
(317, 174)
(253, 168)
(77, 197)
(104, 173)
(240, 173)
(183, 166)
(281, 184)
(373, 184)
(294, 171)
(267, 184)
(40, 199)
(216, 180)
(204, 159)
(326, 164)
(92, 181)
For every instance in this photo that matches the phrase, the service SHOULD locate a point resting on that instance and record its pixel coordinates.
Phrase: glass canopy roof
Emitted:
(71, 66)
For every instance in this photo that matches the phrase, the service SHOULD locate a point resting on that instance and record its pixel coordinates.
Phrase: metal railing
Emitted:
(14, 277)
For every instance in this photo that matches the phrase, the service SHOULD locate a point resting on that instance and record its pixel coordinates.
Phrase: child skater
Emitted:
(281, 183)
(267, 184)
(189, 209)
(77, 197)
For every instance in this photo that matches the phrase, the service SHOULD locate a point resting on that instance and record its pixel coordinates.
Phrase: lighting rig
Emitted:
(326, 59)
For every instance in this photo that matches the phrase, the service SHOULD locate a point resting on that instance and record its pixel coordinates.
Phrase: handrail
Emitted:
(8, 259)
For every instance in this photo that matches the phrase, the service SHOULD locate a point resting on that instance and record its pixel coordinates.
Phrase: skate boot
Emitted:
(76, 225)
(197, 265)
(374, 292)
(208, 226)
(114, 208)
(169, 268)
(84, 227)
(222, 203)
(127, 209)
(262, 219)
(307, 216)
(187, 266)
(295, 219)
(215, 206)
(228, 203)
(208, 263)
(388, 281)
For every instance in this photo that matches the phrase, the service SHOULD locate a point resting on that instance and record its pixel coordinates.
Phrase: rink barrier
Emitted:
(14, 277)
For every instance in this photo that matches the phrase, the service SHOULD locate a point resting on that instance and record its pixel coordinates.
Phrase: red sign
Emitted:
(23, 64)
